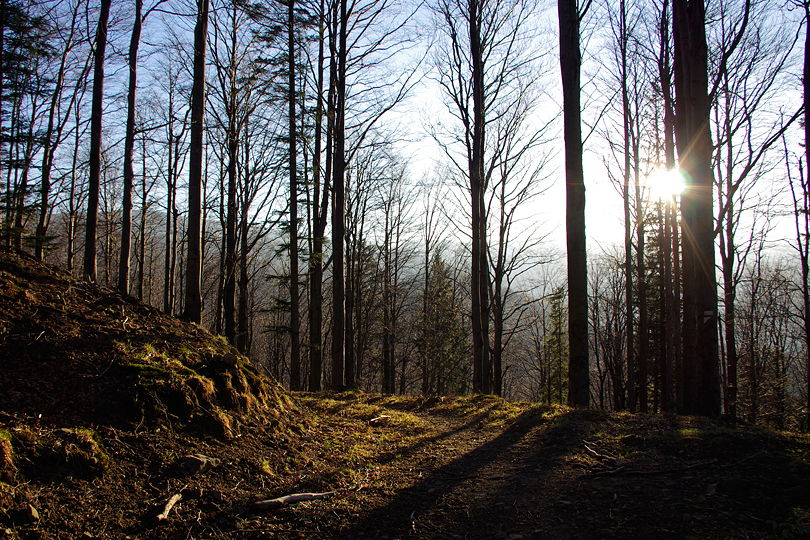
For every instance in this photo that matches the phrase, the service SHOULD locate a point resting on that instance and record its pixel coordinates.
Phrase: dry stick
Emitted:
(270, 504)
(631, 472)
(169, 505)
(378, 418)
(597, 455)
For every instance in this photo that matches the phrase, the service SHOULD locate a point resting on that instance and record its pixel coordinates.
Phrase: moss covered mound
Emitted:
(74, 354)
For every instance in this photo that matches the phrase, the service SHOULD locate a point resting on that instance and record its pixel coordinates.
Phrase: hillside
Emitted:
(109, 410)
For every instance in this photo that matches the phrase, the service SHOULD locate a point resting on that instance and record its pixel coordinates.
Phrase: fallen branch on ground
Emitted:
(631, 472)
(174, 499)
(602, 457)
(375, 420)
(270, 504)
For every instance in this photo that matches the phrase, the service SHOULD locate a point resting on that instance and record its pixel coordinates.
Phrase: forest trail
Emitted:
(479, 482)
(543, 473)
(404, 467)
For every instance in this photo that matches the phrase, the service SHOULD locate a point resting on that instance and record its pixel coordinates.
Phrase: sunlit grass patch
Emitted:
(359, 409)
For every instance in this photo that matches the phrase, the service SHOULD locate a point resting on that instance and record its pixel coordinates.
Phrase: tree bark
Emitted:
(193, 297)
(482, 370)
(295, 340)
(94, 165)
(570, 65)
(632, 360)
(319, 214)
(129, 153)
(229, 279)
(805, 190)
(701, 361)
(338, 207)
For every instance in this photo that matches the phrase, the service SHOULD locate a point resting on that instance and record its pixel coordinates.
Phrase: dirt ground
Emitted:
(452, 468)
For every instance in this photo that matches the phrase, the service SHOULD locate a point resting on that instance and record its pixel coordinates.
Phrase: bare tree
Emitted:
(193, 303)
(570, 16)
(95, 143)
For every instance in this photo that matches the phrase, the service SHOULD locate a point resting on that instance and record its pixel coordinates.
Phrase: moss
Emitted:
(6, 497)
(24, 434)
(204, 389)
(149, 371)
(224, 423)
(265, 467)
(84, 451)
(247, 402)
(8, 469)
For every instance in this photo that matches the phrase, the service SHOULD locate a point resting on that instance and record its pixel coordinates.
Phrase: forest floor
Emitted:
(109, 410)
(441, 468)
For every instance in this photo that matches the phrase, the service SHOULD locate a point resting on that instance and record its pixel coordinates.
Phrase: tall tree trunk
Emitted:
(632, 360)
(352, 264)
(129, 152)
(70, 248)
(171, 189)
(728, 254)
(482, 369)
(387, 333)
(229, 286)
(49, 150)
(319, 214)
(670, 249)
(193, 302)
(806, 198)
(695, 154)
(95, 143)
(339, 206)
(641, 276)
(295, 339)
(570, 64)
(387, 337)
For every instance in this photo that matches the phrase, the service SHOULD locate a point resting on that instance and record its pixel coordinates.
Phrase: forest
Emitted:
(426, 269)
(368, 195)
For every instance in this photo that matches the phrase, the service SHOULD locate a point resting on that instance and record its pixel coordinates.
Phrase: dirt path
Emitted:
(472, 467)
(474, 482)
(534, 478)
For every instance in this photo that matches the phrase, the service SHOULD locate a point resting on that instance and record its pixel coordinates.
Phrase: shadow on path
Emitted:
(464, 487)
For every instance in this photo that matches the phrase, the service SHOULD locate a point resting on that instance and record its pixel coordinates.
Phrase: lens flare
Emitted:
(666, 183)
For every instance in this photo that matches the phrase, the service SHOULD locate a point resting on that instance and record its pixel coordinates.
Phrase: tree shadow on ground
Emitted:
(462, 498)
(679, 477)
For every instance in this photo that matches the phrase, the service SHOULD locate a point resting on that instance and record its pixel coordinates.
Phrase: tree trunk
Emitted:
(570, 64)
(352, 264)
(806, 190)
(142, 231)
(129, 152)
(671, 247)
(229, 285)
(243, 314)
(319, 214)
(482, 371)
(193, 297)
(695, 154)
(295, 339)
(632, 360)
(95, 144)
(339, 206)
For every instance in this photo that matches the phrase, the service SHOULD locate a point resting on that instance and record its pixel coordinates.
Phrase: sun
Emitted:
(666, 183)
